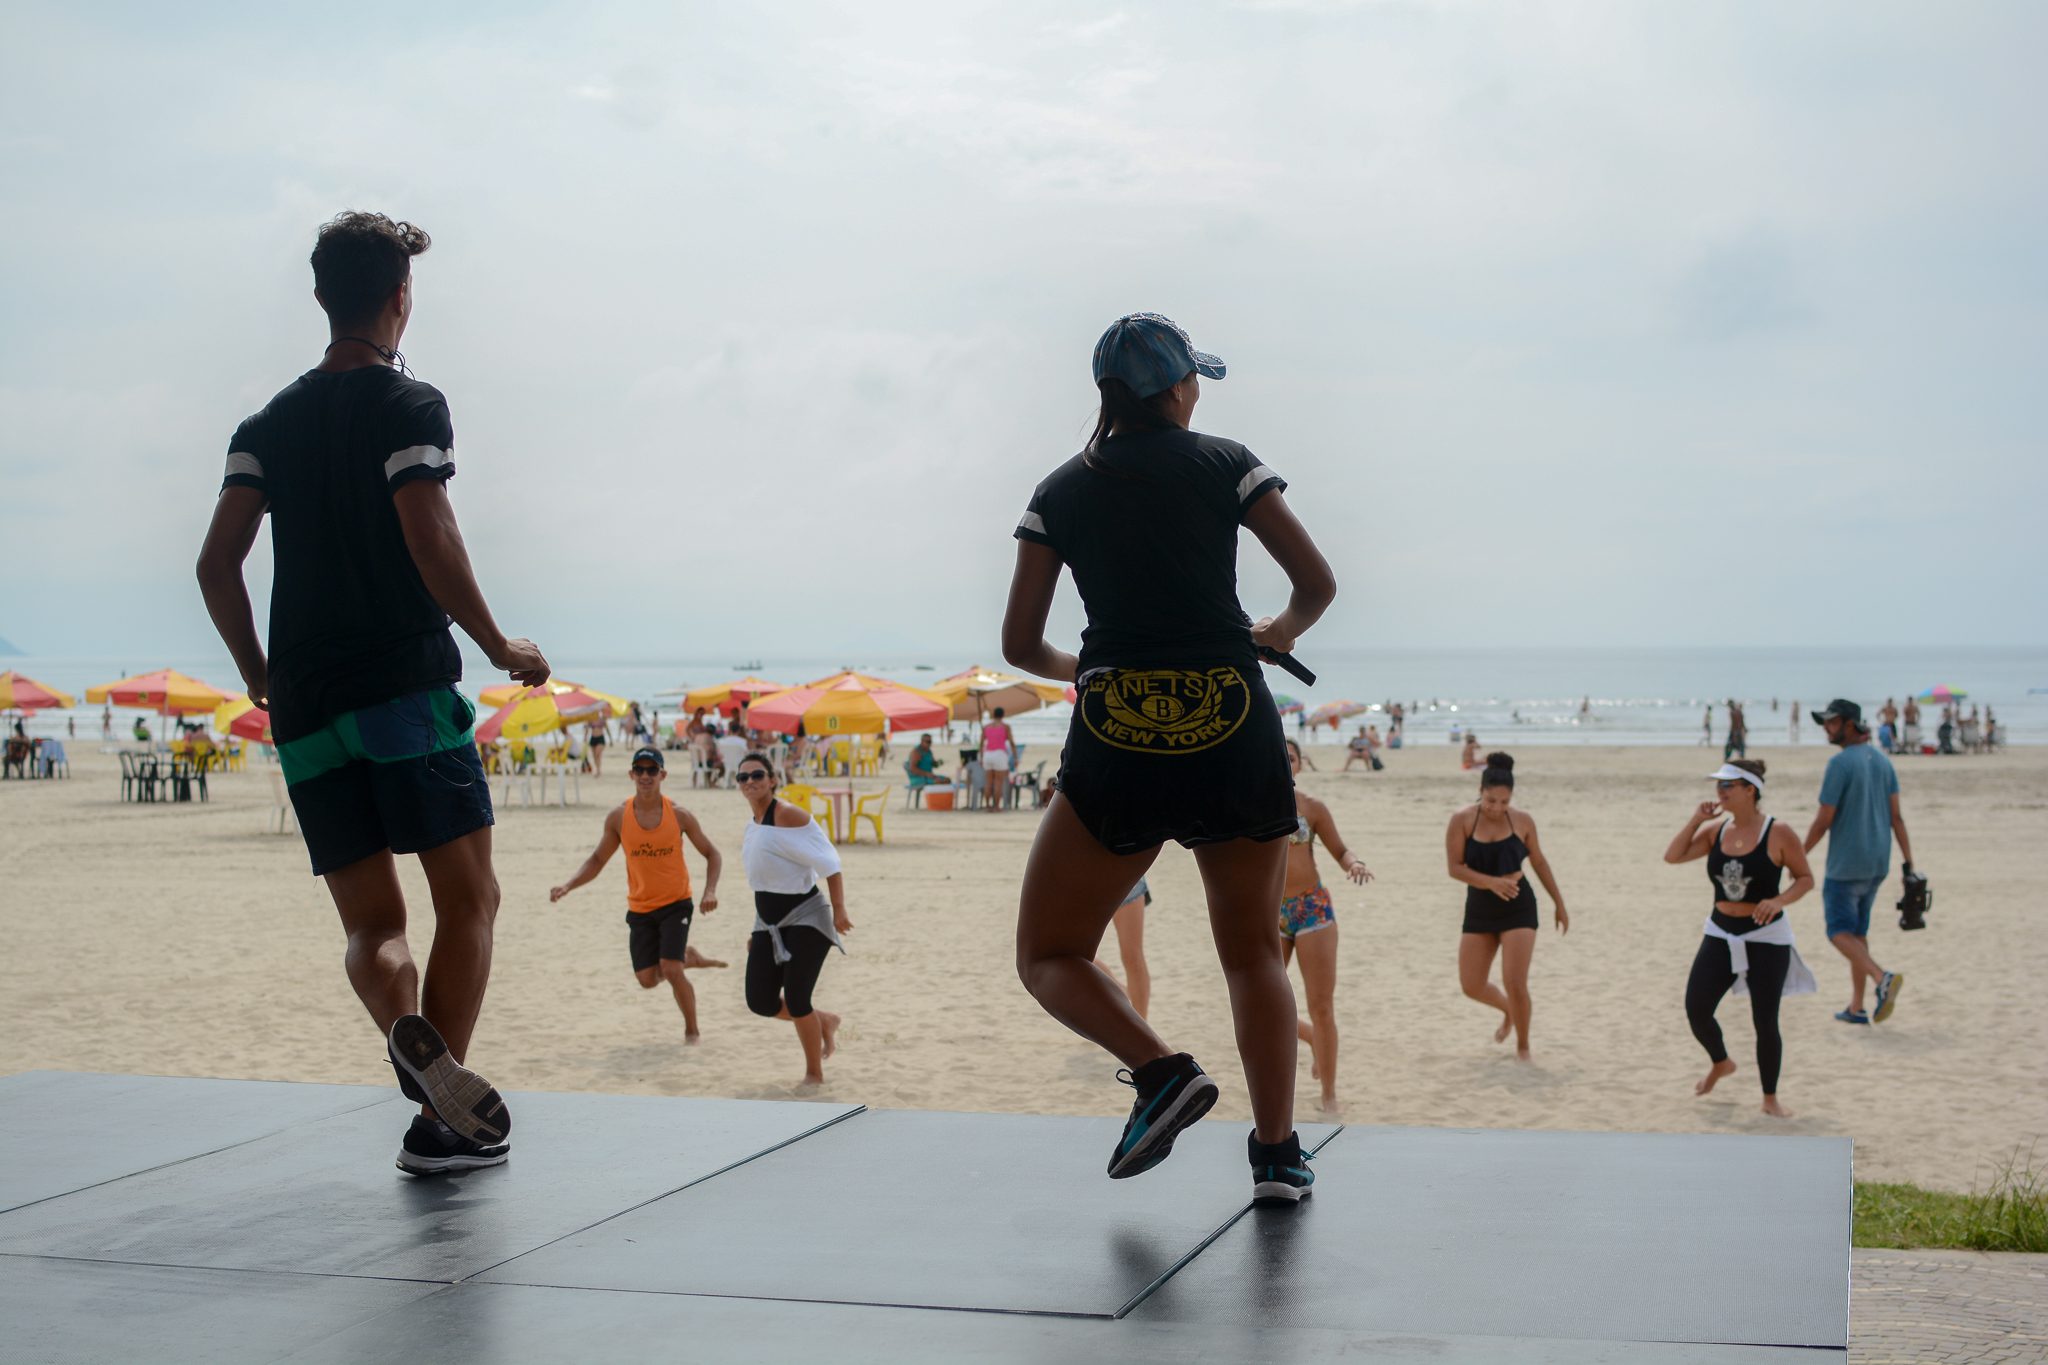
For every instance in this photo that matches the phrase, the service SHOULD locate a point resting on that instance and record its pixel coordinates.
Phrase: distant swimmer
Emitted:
(1747, 942)
(1174, 735)
(1485, 846)
(659, 909)
(1707, 726)
(796, 924)
(1308, 927)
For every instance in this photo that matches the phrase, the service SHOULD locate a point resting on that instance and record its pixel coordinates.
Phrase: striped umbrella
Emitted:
(242, 717)
(19, 693)
(537, 711)
(978, 691)
(1943, 693)
(728, 697)
(166, 691)
(1333, 711)
(503, 693)
(1288, 705)
(848, 704)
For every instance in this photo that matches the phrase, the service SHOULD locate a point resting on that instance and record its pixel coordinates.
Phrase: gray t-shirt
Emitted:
(1859, 784)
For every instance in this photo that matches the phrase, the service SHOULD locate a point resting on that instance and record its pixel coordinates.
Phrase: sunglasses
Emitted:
(1725, 785)
(642, 770)
(751, 775)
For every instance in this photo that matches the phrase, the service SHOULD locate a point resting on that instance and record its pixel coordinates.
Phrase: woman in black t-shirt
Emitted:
(1174, 735)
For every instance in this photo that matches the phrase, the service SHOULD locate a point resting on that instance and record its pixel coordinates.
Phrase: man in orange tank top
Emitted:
(651, 828)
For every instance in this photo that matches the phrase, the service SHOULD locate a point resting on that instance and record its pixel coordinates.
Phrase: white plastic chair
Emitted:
(281, 817)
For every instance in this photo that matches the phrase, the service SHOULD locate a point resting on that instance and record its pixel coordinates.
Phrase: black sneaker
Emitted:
(407, 1086)
(462, 1099)
(1280, 1173)
(431, 1147)
(1172, 1093)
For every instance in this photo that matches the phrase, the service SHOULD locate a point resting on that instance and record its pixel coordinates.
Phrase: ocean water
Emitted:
(1508, 696)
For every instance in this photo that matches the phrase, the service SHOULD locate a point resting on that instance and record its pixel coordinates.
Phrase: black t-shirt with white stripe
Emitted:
(1148, 524)
(351, 622)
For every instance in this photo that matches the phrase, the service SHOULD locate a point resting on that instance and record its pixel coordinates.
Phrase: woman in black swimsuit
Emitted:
(1174, 735)
(1747, 943)
(1484, 846)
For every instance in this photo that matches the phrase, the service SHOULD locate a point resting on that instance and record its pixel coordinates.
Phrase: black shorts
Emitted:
(1195, 754)
(1496, 916)
(656, 934)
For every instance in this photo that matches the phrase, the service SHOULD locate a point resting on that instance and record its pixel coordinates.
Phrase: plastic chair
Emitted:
(1035, 780)
(870, 808)
(281, 816)
(805, 797)
(53, 759)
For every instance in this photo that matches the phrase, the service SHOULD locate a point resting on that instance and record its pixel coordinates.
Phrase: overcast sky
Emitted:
(1570, 323)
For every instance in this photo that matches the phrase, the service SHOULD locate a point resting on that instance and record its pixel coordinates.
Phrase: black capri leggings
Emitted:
(1712, 978)
(771, 984)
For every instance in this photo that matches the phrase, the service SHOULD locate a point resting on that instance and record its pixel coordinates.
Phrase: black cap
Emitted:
(651, 753)
(1840, 709)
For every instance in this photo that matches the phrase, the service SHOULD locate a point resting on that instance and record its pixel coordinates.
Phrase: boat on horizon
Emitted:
(752, 668)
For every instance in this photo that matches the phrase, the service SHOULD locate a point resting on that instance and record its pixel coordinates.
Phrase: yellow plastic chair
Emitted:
(805, 797)
(867, 758)
(870, 808)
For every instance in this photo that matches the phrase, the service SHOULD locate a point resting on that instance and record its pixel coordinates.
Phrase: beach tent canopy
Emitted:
(240, 716)
(166, 692)
(539, 710)
(504, 693)
(977, 692)
(848, 704)
(725, 696)
(18, 693)
(1942, 692)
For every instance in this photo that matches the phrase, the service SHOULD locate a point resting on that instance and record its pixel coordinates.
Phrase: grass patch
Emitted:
(2012, 1215)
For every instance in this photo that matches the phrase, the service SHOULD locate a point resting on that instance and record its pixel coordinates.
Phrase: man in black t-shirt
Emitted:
(352, 461)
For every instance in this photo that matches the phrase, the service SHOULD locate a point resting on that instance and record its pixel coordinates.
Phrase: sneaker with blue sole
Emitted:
(1280, 1173)
(1172, 1093)
(431, 1147)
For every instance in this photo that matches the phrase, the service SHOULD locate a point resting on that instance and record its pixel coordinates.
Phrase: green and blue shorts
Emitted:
(403, 775)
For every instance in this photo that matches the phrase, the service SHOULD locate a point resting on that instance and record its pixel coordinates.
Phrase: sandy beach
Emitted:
(183, 939)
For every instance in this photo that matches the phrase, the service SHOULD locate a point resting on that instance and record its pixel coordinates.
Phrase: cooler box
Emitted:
(938, 798)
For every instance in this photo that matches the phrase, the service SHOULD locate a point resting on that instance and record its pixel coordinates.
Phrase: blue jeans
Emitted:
(1847, 901)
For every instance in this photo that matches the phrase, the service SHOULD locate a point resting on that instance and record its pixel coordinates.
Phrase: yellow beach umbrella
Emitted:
(979, 691)
(538, 711)
(723, 696)
(19, 693)
(243, 717)
(166, 692)
(506, 692)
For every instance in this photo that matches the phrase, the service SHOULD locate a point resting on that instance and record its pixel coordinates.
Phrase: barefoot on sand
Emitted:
(1774, 1109)
(1507, 1026)
(693, 958)
(1714, 1074)
(828, 1022)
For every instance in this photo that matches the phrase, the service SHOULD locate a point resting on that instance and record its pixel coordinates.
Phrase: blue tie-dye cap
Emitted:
(1151, 354)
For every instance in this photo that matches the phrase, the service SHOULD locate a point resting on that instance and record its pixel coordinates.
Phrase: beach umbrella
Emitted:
(18, 693)
(1288, 705)
(729, 696)
(848, 704)
(166, 692)
(977, 691)
(1942, 692)
(242, 717)
(1336, 711)
(505, 693)
(538, 711)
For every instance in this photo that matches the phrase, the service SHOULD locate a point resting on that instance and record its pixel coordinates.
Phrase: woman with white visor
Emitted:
(1747, 941)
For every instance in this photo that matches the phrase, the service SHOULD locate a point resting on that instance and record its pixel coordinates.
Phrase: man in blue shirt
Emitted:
(1859, 814)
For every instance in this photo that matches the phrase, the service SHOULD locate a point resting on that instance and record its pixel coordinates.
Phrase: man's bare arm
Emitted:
(427, 518)
(237, 517)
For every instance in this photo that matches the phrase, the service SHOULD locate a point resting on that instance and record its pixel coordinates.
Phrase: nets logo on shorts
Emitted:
(1165, 710)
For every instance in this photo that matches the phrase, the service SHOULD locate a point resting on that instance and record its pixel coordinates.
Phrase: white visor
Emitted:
(1730, 773)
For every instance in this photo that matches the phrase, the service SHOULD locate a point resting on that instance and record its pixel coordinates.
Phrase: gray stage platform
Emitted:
(149, 1218)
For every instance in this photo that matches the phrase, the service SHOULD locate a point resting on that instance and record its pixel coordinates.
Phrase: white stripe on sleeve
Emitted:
(430, 457)
(1252, 480)
(1031, 521)
(242, 462)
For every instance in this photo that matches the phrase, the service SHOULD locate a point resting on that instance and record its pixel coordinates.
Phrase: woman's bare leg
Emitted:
(1475, 965)
(1130, 947)
(1517, 946)
(1318, 954)
(1072, 886)
(1243, 879)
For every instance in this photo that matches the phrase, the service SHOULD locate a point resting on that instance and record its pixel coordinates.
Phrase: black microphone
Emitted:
(1287, 662)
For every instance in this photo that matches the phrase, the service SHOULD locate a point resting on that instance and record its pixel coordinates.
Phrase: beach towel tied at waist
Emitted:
(1798, 976)
(815, 913)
